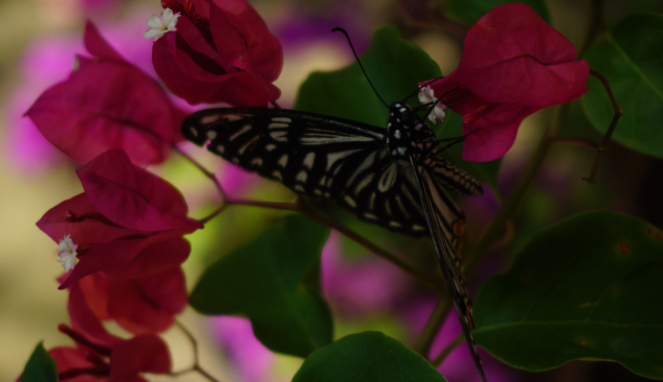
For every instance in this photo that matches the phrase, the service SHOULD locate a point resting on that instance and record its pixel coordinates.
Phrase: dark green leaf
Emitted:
(589, 287)
(40, 367)
(633, 64)
(395, 67)
(268, 281)
(367, 357)
(469, 11)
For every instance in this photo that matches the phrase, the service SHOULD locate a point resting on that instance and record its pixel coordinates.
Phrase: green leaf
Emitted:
(395, 66)
(587, 288)
(40, 367)
(268, 280)
(367, 357)
(633, 64)
(469, 11)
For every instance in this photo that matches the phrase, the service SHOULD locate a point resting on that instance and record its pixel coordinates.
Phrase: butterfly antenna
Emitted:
(359, 62)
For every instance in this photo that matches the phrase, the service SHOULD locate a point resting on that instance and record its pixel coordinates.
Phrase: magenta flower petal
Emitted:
(511, 55)
(141, 354)
(97, 46)
(222, 51)
(148, 304)
(106, 105)
(148, 203)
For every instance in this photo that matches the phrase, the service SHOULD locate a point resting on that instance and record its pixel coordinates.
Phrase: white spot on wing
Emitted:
(277, 125)
(211, 134)
(281, 119)
(365, 181)
(350, 201)
(270, 147)
(277, 174)
(239, 132)
(256, 162)
(388, 178)
(206, 120)
(301, 176)
(334, 157)
(309, 160)
(279, 135)
(283, 161)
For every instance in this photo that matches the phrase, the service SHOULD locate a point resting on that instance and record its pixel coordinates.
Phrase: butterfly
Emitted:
(391, 177)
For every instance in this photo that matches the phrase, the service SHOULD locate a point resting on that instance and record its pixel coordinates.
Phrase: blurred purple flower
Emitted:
(368, 286)
(251, 359)
(458, 366)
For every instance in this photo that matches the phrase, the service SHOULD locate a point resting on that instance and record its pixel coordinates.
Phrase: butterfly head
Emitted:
(401, 119)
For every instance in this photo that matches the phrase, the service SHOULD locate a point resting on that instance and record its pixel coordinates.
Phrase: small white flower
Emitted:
(67, 253)
(427, 95)
(160, 25)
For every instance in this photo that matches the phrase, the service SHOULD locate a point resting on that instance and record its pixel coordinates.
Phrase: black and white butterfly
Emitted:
(389, 177)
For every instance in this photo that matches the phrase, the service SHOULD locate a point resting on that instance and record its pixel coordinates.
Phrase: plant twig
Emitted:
(196, 364)
(438, 360)
(211, 176)
(433, 325)
(577, 141)
(304, 209)
(595, 23)
(608, 134)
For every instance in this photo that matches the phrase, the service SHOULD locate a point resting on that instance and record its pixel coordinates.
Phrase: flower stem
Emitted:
(608, 134)
(438, 360)
(433, 325)
(433, 282)
(196, 364)
(595, 24)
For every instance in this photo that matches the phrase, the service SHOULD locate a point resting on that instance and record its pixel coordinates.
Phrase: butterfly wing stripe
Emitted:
(438, 208)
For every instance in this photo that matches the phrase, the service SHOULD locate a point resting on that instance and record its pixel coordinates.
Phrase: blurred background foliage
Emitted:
(38, 40)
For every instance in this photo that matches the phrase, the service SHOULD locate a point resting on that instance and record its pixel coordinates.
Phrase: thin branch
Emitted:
(192, 339)
(595, 24)
(433, 325)
(257, 203)
(577, 141)
(304, 209)
(196, 364)
(211, 176)
(499, 224)
(438, 360)
(608, 134)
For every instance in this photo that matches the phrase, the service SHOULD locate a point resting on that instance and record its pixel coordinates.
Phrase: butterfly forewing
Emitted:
(318, 156)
